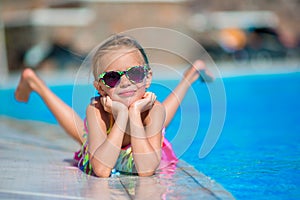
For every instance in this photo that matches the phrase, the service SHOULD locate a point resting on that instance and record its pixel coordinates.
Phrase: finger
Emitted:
(108, 102)
(146, 94)
(151, 99)
(153, 96)
(103, 103)
(102, 99)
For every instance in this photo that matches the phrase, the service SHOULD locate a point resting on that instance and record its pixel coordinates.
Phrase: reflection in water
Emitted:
(102, 188)
(157, 186)
(123, 186)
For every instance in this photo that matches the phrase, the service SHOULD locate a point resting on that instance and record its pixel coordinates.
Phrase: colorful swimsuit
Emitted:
(125, 162)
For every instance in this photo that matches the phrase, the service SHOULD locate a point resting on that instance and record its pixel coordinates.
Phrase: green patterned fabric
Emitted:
(124, 164)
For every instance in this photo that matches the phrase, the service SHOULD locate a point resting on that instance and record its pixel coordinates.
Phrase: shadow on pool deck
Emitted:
(36, 163)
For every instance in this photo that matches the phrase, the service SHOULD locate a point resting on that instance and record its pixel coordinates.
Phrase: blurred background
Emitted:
(57, 34)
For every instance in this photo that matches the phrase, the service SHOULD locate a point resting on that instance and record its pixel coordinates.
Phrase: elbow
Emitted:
(146, 174)
(102, 173)
(146, 169)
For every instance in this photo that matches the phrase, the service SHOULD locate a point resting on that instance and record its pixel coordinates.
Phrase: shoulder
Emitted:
(95, 107)
(95, 114)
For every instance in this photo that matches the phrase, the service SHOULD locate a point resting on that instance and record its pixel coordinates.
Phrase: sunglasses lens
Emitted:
(136, 74)
(111, 78)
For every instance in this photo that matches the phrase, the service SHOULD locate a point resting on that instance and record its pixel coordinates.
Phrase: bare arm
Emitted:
(173, 101)
(146, 137)
(104, 149)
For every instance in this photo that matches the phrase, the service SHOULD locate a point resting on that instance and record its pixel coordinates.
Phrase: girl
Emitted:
(124, 127)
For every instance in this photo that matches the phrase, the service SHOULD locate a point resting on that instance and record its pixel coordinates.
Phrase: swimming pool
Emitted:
(258, 153)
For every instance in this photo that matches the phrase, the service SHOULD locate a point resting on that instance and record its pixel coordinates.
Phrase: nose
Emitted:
(124, 81)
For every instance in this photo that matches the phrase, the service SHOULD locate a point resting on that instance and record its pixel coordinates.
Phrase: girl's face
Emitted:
(125, 91)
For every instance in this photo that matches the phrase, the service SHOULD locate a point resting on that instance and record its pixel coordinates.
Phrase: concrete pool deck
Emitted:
(36, 163)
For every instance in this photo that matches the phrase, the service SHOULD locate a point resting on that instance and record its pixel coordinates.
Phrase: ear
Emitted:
(149, 79)
(98, 87)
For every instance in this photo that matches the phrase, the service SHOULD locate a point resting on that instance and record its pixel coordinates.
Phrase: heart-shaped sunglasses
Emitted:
(135, 74)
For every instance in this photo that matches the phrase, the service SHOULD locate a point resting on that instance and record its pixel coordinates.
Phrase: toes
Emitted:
(199, 65)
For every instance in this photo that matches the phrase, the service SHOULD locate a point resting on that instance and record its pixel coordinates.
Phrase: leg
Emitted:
(64, 114)
(173, 101)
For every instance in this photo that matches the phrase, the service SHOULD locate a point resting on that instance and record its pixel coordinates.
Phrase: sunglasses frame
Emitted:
(121, 73)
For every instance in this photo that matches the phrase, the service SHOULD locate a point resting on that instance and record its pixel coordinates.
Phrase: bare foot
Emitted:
(25, 86)
(198, 69)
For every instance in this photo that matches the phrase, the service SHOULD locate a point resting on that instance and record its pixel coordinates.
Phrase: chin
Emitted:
(127, 102)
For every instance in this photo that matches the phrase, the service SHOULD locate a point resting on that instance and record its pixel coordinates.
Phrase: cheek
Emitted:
(102, 89)
(111, 93)
(141, 91)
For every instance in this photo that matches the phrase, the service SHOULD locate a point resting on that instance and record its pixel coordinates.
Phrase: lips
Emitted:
(127, 93)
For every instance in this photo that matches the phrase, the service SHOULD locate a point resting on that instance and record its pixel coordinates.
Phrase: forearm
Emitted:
(173, 101)
(106, 153)
(192, 74)
(146, 157)
(147, 162)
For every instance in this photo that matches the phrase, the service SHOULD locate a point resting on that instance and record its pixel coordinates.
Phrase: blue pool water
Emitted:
(257, 155)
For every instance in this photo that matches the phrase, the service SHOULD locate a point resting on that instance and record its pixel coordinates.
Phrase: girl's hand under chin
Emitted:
(111, 106)
(144, 104)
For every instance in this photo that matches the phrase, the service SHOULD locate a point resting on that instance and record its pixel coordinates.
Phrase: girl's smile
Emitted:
(127, 93)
